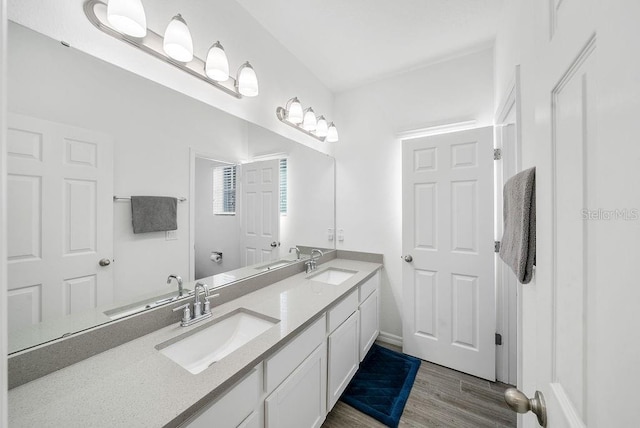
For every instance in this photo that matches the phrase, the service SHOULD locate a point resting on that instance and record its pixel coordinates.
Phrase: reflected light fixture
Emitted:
(178, 43)
(305, 120)
(332, 134)
(217, 65)
(247, 81)
(125, 20)
(309, 122)
(294, 112)
(322, 127)
(127, 16)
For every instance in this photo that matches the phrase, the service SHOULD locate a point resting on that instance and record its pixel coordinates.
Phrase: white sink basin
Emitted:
(332, 276)
(201, 348)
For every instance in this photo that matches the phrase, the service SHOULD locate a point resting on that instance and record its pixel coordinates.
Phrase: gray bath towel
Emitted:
(518, 245)
(154, 213)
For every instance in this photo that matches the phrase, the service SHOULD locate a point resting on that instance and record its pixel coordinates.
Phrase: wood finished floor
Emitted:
(440, 397)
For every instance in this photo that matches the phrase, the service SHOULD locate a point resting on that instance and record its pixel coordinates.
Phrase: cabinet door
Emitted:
(300, 401)
(343, 358)
(369, 323)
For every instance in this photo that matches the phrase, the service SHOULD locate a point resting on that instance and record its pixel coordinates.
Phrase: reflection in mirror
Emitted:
(81, 131)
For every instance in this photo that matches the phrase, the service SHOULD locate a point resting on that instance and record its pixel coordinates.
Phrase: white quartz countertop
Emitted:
(135, 385)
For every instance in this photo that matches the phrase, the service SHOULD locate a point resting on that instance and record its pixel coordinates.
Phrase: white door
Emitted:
(447, 240)
(260, 212)
(60, 220)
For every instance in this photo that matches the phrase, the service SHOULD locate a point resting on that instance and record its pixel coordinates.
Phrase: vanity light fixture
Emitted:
(322, 127)
(306, 121)
(294, 112)
(309, 122)
(125, 20)
(247, 81)
(178, 43)
(127, 16)
(217, 65)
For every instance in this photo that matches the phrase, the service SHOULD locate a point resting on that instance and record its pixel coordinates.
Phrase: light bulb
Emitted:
(309, 122)
(247, 82)
(332, 134)
(127, 16)
(217, 65)
(322, 127)
(294, 111)
(178, 43)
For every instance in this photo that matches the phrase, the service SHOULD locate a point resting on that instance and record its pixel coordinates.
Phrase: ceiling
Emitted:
(348, 43)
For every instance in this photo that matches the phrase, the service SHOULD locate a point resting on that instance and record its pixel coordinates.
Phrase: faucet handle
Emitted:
(207, 303)
(186, 313)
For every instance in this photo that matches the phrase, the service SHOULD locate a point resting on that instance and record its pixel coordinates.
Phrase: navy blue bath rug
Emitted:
(382, 385)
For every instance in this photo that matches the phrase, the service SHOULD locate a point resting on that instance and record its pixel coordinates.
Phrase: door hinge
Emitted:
(498, 339)
(497, 154)
(496, 246)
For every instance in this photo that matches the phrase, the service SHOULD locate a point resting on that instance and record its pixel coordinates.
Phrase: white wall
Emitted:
(153, 128)
(213, 232)
(368, 197)
(281, 75)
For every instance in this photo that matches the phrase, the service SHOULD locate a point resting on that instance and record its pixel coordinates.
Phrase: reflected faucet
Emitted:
(297, 252)
(179, 280)
(312, 263)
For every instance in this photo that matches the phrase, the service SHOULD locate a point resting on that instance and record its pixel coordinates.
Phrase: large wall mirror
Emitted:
(82, 131)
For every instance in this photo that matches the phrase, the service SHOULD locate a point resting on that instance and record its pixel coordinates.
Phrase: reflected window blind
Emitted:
(283, 186)
(224, 190)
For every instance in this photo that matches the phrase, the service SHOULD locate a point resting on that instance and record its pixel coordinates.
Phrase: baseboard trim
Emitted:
(389, 338)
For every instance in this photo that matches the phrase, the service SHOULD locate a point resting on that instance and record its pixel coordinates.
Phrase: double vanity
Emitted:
(280, 356)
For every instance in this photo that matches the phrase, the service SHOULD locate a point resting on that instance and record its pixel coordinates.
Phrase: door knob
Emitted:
(408, 258)
(274, 244)
(104, 262)
(518, 402)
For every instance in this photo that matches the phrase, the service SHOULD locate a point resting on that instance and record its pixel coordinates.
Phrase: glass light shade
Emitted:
(247, 82)
(309, 122)
(178, 43)
(127, 16)
(217, 65)
(294, 111)
(322, 128)
(332, 134)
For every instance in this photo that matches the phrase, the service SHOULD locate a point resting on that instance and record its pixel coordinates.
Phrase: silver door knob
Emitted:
(518, 402)
(408, 258)
(274, 244)
(104, 262)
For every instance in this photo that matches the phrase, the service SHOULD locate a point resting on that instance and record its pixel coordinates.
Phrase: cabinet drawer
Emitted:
(280, 365)
(343, 310)
(369, 286)
(234, 406)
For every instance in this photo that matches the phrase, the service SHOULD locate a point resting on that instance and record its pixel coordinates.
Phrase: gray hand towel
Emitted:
(154, 213)
(518, 245)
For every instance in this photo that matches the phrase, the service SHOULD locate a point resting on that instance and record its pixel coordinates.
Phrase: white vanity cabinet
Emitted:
(240, 406)
(343, 349)
(369, 314)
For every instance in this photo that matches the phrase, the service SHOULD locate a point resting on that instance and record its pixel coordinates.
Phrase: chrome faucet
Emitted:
(297, 252)
(199, 313)
(312, 263)
(179, 280)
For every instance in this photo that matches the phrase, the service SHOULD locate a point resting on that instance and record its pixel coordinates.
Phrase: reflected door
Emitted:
(447, 227)
(260, 212)
(60, 225)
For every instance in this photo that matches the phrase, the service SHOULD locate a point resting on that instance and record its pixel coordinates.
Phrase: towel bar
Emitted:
(128, 198)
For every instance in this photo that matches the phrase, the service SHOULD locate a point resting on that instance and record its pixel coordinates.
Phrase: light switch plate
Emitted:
(171, 235)
(340, 235)
(330, 234)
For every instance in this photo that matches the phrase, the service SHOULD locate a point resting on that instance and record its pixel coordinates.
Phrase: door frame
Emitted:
(508, 321)
(3, 217)
(193, 154)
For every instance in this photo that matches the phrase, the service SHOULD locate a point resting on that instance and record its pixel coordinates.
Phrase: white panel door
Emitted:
(60, 220)
(447, 231)
(260, 211)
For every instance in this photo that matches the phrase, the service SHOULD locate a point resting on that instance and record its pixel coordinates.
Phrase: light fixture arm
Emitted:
(96, 12)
